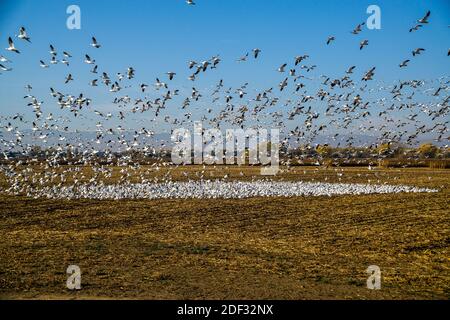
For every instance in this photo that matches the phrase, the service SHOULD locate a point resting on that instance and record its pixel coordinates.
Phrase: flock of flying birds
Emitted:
(393, 116)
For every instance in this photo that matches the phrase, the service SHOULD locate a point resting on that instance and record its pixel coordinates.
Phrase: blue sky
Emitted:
(159, 36)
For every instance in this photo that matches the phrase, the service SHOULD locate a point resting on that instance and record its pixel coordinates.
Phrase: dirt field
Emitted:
(259, 248)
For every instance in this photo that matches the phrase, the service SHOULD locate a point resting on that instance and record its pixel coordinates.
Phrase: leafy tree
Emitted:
(428, 150)
(324, 150)
(384, 149)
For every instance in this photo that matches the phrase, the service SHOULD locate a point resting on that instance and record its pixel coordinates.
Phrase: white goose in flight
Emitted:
(43, 64)
(23, 35)
(53, 50)
(417, 51)
(243, 58)
(192, 64)
(160, 84)
(403, 64)
(2, 67)
(94, 43)
(425, 18)
(350, 70)
(4, 59)
(256, 52)
(68, 78)
(358, 28)
(11, 46)
(94, 69)
(363, 43)
(88, 60)
(330, 38)
(171, 74)
(281, 68)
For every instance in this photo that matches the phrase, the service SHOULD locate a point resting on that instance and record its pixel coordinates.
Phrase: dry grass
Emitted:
(424, 163)
(259, 248)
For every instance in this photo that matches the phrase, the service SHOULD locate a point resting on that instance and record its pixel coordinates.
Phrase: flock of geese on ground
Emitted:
(338, 109)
